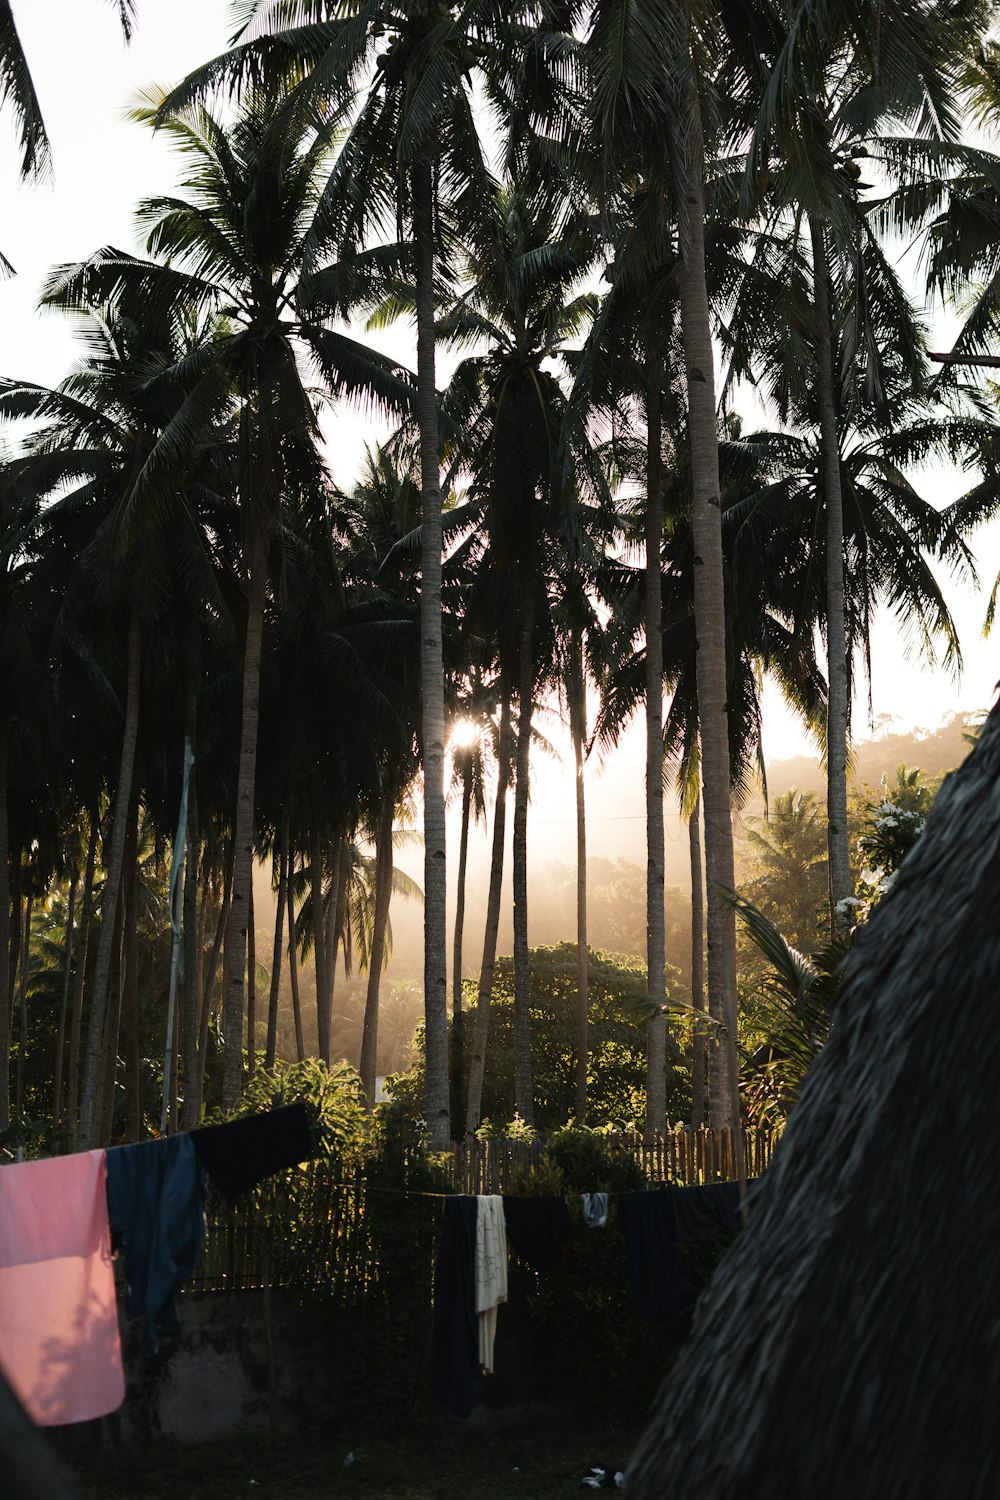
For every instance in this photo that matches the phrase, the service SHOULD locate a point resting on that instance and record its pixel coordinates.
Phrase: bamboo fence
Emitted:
(309, 1228)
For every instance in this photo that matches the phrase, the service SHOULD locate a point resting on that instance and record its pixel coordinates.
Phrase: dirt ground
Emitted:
(538, 1465)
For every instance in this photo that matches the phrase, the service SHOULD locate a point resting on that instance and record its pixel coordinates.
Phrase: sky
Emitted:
(85, 78)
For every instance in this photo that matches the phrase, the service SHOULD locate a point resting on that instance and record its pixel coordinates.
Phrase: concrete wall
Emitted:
(253, 1362)
(243, 1362)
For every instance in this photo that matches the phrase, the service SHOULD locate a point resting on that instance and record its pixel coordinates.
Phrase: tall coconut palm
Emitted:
(524, 301)
(240, 229)
(647, 69)
(99, 442)
(836, 83)
(412, 155)
(627, 372)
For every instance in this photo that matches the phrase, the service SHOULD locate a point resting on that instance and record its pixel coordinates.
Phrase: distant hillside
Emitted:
(933, 750)
(616, 838)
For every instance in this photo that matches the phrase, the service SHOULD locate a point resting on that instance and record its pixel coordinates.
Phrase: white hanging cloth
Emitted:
(491, 1272)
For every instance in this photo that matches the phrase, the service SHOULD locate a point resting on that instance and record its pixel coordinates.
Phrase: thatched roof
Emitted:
(848, 1346)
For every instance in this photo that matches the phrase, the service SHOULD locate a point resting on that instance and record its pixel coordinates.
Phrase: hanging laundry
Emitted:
(595, 1209)
(59, 1342)
(454, 1334)
(647, 1222)
(156, 1204)
(491, 1272)
(539, 1230)
(240, 1153)
(705, 1213)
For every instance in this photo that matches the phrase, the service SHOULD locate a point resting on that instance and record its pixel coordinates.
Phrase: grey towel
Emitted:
(595, 1209)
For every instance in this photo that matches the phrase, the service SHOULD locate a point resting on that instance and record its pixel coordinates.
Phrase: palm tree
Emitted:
(412, 155)
(525, 303)
(630, 360)
(102, 429)
(647, 71)
(241, 231)
(834, 88)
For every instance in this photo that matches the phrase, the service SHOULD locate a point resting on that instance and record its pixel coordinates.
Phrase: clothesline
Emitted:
(62, 1216)
(369, 1187)
(539, 1230)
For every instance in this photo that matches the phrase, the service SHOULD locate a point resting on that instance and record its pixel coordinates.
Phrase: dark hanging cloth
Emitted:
(241, 1153)
(706, 1213)
(538, 1230)
(647, 1222)
(156, 1207)
(454, 1344)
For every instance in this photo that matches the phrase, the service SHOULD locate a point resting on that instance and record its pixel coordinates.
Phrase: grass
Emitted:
(538, 1465)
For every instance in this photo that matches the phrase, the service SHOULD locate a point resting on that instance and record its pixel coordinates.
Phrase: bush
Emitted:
(616, 1080)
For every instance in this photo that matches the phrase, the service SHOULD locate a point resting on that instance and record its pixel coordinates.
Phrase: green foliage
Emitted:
(583, 1315)
(333, 1098)
(591, 1161)
(792, 1004)
(889, 830)
(785, 867)
(616, 1079)
(787, 987)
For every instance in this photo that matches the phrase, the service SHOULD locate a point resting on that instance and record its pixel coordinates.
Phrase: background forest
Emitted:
(239, 696)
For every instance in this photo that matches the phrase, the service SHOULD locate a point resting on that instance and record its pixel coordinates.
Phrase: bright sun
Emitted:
(463, 734)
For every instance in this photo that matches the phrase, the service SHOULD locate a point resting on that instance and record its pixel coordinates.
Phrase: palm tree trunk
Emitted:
(656, 1028)
(57, 1067)
(218, 943)
(172, 1097)
(456, 1061)
(697, 966)
(4, 927)
(293, 966)
(112, 1025)
(89, 1119)
(383, 898)
(524, 1093)
(431, 672)
(16, 929)
(243, 836)
(191, 929)
(710, 626)
(484, 992)
(838, 704)
(79, 977)
(271, 1050)
(192, 955)
(323, 1018)
(332, 941)
(578, 732)
(131, 983)
(22, 1050)
(251, 991)
(463, 864)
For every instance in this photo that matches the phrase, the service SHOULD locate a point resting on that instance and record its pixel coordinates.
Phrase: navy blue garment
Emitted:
(156, 1207)
(538, 1230)
(240, 1153)
(647, 1222)
(454, 1343)
(706, 1213)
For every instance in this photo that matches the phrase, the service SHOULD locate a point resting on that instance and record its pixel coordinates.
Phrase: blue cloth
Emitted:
(706, 1213)
(156, 1206)
(454, 1338)
(647, 1222)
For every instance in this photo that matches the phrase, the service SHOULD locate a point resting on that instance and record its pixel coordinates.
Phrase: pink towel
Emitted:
(59, 1342)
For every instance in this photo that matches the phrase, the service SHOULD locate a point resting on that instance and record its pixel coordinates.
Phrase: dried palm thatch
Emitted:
(849, 1345)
